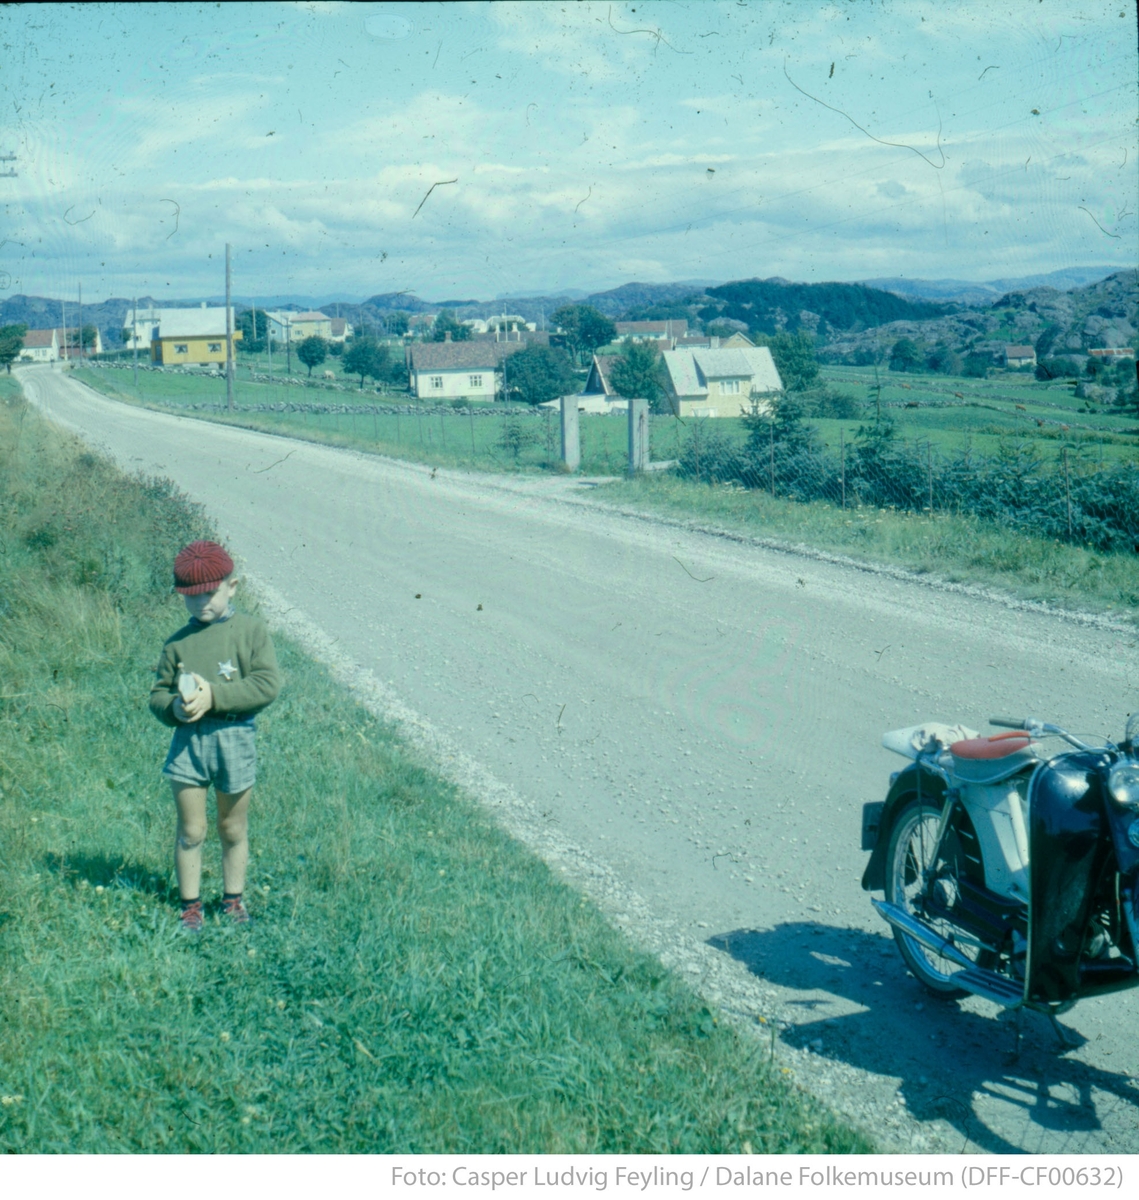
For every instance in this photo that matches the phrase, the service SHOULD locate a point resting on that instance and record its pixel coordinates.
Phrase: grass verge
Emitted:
(415, 981)
(960, 549)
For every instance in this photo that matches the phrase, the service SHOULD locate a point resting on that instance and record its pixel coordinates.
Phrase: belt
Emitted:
(245, 718)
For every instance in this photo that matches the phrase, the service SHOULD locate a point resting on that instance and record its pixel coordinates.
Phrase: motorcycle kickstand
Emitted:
(1068, 1039)
(1018, 1032)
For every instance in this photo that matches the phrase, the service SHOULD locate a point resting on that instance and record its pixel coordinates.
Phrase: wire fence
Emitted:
(1067, 493)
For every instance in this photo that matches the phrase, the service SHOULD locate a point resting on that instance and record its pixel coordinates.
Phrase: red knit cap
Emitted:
(200, 567)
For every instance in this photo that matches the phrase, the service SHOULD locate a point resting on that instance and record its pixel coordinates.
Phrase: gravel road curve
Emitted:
(687, 727)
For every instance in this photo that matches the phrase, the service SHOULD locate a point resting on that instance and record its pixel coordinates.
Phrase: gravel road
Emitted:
(686, 726)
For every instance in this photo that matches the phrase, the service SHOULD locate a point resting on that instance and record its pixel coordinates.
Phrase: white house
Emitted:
(719, 382)
(501, 324)
(40, 345)
(453, 370)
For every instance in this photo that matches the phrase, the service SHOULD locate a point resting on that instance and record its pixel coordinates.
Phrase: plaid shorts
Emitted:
(211, 751)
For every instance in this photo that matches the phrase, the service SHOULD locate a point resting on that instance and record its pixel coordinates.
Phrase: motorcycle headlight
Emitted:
(1123, 784)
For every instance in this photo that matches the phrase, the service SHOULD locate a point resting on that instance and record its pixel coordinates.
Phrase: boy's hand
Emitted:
(199, 703)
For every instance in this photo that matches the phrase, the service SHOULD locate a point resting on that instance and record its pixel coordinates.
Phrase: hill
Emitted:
(1104, 313)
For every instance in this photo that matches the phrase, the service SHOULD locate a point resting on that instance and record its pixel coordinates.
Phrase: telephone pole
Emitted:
(228, 337)
(134, 343)
(80, 322)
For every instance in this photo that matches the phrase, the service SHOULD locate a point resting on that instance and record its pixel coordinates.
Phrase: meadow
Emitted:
(415, 980)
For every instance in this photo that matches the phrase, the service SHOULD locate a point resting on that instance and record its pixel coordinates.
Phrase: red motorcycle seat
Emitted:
(1000, 745)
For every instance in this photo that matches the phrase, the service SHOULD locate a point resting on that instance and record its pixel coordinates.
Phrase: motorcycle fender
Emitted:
(902, 790)
(1068, 848)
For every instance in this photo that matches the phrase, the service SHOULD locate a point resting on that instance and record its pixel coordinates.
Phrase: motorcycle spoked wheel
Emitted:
(912, 842)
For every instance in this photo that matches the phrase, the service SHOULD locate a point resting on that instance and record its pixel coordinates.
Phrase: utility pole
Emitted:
(269, 343)
(134, 343)
(81, 322)
(63, 318)
(228, 337)
(288, 345)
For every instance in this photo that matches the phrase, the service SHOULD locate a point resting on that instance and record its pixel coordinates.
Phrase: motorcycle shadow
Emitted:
(1002, 1079)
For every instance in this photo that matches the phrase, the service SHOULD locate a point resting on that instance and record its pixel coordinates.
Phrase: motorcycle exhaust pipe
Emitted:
(901, 920)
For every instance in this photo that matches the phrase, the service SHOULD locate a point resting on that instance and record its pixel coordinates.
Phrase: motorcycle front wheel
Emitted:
(913, 840)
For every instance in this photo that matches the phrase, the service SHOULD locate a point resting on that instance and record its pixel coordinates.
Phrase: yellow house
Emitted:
(190, 337)
(720, 382)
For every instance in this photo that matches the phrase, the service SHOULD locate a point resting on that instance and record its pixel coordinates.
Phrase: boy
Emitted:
(215, 674)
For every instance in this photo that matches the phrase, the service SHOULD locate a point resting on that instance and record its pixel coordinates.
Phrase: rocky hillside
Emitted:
(1065, 324)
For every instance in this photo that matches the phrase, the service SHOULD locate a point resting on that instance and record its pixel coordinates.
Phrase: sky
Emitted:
(485, 149)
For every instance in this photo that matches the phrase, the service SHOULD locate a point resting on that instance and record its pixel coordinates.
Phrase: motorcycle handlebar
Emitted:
(1007, 722)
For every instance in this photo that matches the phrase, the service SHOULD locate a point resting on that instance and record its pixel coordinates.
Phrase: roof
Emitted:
(191, 322)
(690, 370)
(339, 325)
(461, 356)
(670, 328)
(1020, 351)
(598, 382)
(309, 316)
(34, 339)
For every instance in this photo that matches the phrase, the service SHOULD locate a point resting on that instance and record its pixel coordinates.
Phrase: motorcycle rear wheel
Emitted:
(913, 839)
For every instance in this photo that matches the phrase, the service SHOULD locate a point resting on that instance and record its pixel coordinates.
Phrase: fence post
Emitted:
(571, 433)
(842, 463)
(771, 427)
(1068, 493)
(638, 436)
(471, 414)
(442, 430)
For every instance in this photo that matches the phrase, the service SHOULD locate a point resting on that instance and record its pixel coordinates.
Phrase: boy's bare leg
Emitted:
(191, 833)
(233, 829)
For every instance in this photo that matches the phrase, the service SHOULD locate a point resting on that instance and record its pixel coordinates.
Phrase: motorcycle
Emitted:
(1008, 872)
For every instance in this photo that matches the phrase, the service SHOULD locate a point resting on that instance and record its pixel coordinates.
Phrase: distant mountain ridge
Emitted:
(872, 301)
(963, 292)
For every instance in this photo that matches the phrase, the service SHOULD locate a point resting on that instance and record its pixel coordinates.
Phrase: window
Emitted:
(215, 347)
(729, 387)
(476, 381)
(181, 348)
(437, 382)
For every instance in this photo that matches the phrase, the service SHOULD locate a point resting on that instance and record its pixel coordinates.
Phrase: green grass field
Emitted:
(415, 982)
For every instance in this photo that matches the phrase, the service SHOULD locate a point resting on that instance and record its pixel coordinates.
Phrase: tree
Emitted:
(976, 365)
(244, 321)
(944, 360)
(639, 372)
(538, 374)
(312, 352)
(906, 355)
(794, 355)
(366, 357)
(397, 323)
(11, 343)
(447, 323)
(585, 328)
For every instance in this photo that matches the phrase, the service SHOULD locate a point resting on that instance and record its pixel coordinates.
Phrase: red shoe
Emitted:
(192, 920)
(236, 910)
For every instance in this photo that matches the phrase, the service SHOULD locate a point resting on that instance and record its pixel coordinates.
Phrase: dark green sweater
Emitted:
(235, 656)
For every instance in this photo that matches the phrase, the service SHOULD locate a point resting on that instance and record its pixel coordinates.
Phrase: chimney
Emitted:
(203, 304)
(447, 336)
(715, 343)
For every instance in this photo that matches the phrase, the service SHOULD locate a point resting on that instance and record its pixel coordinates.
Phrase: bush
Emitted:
(1056, 368)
